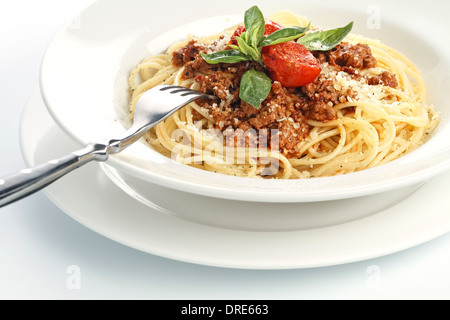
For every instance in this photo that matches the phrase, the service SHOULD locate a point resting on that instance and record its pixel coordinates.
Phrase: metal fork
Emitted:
(154, 106)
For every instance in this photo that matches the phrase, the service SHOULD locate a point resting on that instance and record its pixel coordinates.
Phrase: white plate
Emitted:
(84, 74)
(88, 196)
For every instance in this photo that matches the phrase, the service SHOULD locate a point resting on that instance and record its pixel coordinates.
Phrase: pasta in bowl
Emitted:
(108, 56)
(332, 107)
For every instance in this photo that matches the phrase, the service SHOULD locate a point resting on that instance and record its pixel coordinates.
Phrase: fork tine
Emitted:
(169, 87)
(182, 90)
(191, 93)
(176, 89)
(186, 92)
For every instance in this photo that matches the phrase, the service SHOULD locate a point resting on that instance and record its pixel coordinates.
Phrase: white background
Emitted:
(38, 242)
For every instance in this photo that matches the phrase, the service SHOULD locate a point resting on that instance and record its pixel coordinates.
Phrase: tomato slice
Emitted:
(292, 64)
(269, 28)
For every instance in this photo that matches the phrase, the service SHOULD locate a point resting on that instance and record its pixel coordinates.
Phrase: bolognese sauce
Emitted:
(295, 101)
(285, 109)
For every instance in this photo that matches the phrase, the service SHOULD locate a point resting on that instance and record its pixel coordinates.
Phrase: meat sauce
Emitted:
(285, 109)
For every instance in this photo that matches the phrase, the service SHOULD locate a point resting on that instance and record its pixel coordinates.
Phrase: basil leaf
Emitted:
(255, 87)
(243, 46)
(254, 24)
(248, 50)
(284, 35)
(227, 56)
(325, 40)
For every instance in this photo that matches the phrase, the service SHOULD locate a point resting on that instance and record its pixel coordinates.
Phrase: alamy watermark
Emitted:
(374, 19)
(73, 281)
(232, 146)
(75, 24)
(374, 281)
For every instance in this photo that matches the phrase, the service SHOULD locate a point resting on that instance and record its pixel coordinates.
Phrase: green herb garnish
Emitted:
(325, 40)
(227, 56)
(256, 85)
(284, 35)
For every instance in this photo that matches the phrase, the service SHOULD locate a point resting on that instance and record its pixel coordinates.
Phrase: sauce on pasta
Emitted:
(365, 106)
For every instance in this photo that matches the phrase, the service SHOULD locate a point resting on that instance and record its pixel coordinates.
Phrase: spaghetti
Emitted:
(374, 124)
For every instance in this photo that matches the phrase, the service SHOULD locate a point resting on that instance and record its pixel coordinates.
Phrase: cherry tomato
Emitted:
(269, 28)
(291, 64)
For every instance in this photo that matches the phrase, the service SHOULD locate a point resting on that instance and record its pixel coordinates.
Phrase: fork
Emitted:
(153, 107)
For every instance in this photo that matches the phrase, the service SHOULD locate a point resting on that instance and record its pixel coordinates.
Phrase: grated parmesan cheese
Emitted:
(343, 82)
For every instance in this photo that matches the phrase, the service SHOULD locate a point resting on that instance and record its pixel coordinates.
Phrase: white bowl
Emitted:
(84, 85)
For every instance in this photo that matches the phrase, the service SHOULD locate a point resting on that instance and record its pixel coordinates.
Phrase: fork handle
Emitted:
(28, 181)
